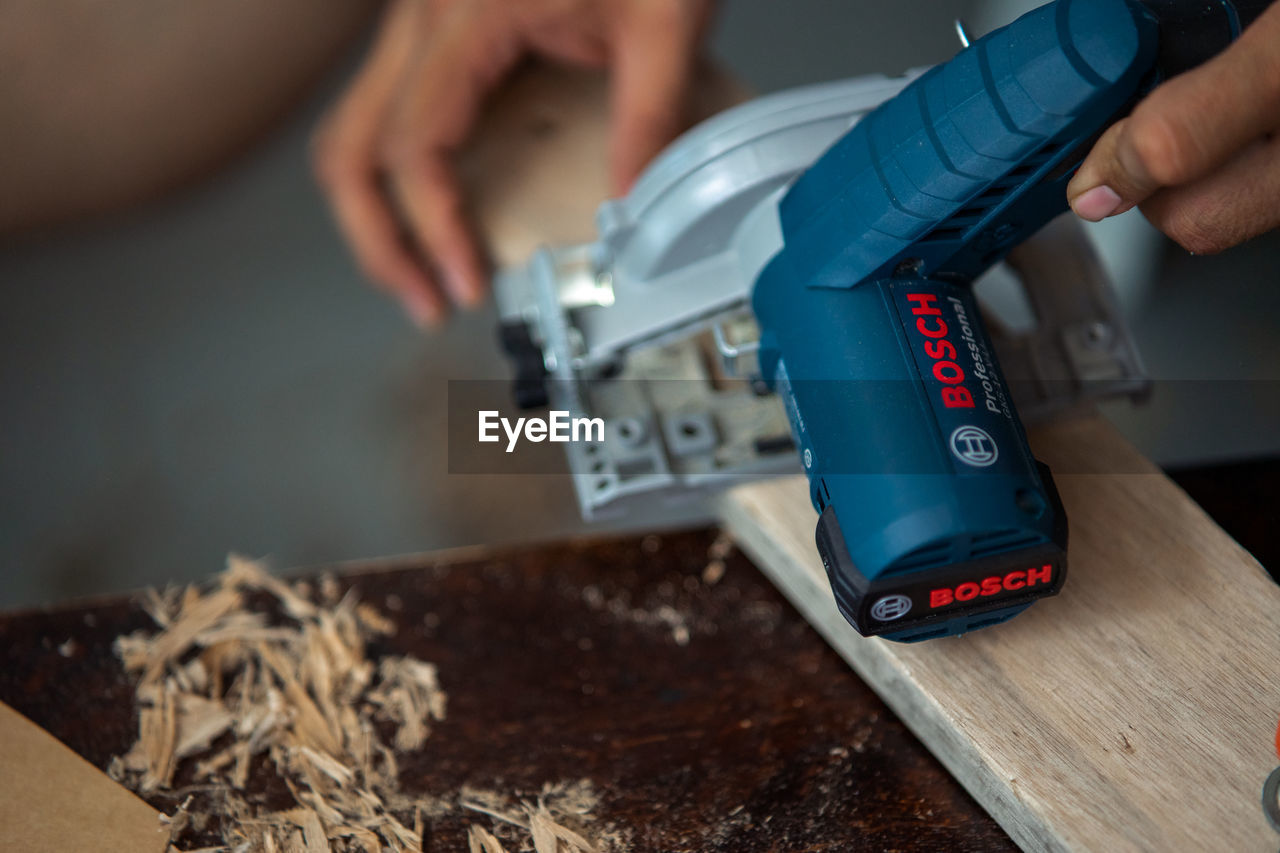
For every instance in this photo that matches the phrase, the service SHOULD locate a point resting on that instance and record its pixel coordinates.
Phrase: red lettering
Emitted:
(957, 397)
(940, 349)
(947, 371)
(1040, 575)
(993, 585)
(939, 332)
(924, 303)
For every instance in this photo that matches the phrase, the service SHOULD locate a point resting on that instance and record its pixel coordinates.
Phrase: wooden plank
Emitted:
(52, 799)
(1137, 710)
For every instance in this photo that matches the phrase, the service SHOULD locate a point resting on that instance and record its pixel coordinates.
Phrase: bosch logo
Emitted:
(974, 446)
(951, 354)
(891, 607)
(993, 585)
(946, 366)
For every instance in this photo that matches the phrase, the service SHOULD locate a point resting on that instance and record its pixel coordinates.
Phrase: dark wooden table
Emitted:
(709, 715)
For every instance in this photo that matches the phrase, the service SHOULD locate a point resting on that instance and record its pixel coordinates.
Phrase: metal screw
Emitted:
(631, 432)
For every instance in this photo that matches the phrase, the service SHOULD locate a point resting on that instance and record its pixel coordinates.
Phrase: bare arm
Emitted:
(107, 102)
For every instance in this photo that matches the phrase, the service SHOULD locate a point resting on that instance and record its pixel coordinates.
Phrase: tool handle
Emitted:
(974, 156)
(1194, 31)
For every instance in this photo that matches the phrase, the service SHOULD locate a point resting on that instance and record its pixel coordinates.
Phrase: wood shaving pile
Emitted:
(224, 690)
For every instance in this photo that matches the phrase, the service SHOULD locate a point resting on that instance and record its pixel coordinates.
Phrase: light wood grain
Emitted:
(52, 799)
(1135, 711)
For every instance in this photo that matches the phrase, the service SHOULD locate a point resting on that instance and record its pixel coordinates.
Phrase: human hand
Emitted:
(384, 154)
(1201, 154)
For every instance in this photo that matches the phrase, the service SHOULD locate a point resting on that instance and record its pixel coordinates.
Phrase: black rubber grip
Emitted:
(1194, 31)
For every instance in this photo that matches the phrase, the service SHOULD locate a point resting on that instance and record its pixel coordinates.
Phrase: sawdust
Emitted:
(666, 616)
(717, 552)
(223, 691)
(557, 820)
(672, 610)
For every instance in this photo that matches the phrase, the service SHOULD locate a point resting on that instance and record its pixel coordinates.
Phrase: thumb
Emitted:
(654, 59)
(1187, 127)
(1113, 178)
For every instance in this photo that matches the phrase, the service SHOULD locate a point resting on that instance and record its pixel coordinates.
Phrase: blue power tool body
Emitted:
(935, 518)
(855, 248)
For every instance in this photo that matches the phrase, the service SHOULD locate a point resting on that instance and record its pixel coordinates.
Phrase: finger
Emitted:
(1186, 127)
(374, 235)
(1091, 193)
(1234, 204)
(655, 52)
(433, 202)
(438, 103)
(344, 159)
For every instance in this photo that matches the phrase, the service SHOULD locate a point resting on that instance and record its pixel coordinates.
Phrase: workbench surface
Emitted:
(707, 713)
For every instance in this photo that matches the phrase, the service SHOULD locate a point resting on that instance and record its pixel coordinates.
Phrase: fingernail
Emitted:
(465, 294)
(1097, 204)
(422, 311)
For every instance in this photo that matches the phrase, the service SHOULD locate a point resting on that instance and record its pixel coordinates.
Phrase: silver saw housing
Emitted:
(649, 326)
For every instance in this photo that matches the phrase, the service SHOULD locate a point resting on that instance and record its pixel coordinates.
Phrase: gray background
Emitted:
(210, 373)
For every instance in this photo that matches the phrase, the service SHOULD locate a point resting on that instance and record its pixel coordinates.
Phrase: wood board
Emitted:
(1136, 711)
(52, 799)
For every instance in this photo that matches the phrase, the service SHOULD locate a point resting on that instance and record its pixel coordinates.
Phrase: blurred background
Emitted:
(208, 372)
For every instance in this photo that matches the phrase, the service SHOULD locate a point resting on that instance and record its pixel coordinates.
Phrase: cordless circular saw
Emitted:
(795, 278)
